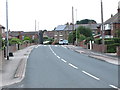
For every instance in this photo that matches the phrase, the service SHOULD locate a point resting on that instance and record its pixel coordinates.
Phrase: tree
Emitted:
(86, 21)
(15, 41)
(87, 32)
(81, 37)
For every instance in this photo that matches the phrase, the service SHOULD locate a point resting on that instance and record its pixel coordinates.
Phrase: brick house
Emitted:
(32, 35)
(49, 34)
(2, 33)
(111, 25)
(22, 34)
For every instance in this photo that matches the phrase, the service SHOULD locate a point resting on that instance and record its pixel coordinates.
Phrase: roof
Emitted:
(113, 19)
(60, 27)
(91, 26)
(2, 26)
(29, 33)
(70, 27)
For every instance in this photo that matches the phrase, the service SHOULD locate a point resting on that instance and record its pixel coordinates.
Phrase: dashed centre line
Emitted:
(58, 57)
(73, 66)
(114, 87)
(64, 60)
(90, 75)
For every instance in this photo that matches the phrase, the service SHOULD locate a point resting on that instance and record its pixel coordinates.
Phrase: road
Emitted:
(55, 66)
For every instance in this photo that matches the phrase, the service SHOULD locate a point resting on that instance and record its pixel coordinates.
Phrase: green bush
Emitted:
(107, 42)
(116, 40)
(111, 48)
(98, 41)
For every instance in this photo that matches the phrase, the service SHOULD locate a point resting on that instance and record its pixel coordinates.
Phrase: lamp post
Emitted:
(7, 29)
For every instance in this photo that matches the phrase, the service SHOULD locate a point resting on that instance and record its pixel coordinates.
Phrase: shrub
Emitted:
(116, 40)
(111, 48)
(107, 42)
(98, 41)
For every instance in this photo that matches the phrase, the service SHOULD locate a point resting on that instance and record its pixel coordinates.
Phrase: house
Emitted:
(22, 34)
(2, 34)
(112, 25)
(2, 31)
(15, 34)
(33, 35)
(49, 34)
(63, 31)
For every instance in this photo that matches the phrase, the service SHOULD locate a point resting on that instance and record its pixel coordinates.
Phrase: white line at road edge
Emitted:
(90, 75)
(73, 66)
(63, 60)
(114, 87)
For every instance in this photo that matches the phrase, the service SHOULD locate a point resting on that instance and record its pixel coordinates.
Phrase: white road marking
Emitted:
(114, 87)
(73, 66)
(58, 57)
(90, 75)
(64, 60)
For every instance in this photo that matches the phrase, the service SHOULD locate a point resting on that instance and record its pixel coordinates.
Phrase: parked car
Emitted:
(65, 42)
(61, 42)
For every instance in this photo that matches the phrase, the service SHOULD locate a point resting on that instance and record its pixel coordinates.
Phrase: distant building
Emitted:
(21, 34)
(49, 34)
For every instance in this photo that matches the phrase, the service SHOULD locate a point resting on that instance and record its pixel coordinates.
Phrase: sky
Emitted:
(51, 13)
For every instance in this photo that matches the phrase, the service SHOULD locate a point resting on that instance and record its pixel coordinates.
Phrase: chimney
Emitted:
(119, 11)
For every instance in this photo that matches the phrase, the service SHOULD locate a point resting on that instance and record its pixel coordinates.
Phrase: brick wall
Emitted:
(99, 48)
(118, 51)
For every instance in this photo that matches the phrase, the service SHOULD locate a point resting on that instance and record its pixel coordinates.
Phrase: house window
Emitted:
(33, 37)
(22, 37)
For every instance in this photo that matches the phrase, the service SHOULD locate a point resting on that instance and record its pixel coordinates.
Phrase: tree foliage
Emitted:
(87, 32)
(82, 34)
(15, 41)
(86, 21)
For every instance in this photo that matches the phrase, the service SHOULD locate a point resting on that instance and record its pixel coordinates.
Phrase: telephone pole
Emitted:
(73, 21)
(75, 27)
(7, 29)
(103, 43)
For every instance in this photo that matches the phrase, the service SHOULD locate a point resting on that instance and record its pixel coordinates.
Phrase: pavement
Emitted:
(108, 57)
(13, 70)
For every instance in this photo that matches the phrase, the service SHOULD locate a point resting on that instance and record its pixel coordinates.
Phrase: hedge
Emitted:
(112, 47)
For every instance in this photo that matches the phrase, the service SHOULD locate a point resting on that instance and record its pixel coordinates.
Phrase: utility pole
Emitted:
(7, 29)
(73, 21)
(103, 43)
(35, 25)
(75, 27)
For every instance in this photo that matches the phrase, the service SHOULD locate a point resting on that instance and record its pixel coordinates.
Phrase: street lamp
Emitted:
(7, 29)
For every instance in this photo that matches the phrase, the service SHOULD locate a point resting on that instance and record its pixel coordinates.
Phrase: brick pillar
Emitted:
(118, 51)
